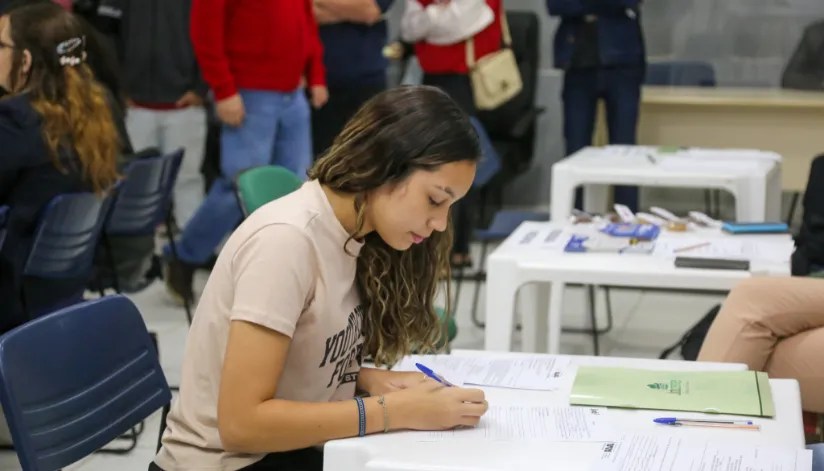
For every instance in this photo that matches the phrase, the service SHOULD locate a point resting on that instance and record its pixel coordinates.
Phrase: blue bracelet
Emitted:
(361, 416)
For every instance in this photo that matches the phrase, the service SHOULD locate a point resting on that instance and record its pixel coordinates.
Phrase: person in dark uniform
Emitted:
(600, 47)
(353, 34)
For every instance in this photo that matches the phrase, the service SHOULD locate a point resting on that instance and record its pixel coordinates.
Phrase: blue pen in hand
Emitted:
(432, 374)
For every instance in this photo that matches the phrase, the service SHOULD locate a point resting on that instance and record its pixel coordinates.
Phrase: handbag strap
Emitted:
(507, 39)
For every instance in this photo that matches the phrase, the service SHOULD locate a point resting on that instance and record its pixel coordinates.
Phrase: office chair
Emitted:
(257, 186)
(65, 241)
(76, 379)
(143, 202)
(511, 127)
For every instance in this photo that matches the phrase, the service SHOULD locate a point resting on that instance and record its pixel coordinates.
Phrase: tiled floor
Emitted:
(645, 323)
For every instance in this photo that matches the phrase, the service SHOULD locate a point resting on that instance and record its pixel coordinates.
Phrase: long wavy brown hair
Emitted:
(75, 111)
(395, 134)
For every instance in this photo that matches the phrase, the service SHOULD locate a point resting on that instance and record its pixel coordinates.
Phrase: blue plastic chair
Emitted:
(4, 214)
(76, 379)
(680, 74)
(66, 239)
(503, 224)
(143, 202)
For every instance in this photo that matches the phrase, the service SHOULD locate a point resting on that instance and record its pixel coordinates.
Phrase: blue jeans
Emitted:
(620, 88)
(276, 130)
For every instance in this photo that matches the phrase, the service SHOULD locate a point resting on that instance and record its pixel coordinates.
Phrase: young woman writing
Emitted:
(345, 267)
(57, 136)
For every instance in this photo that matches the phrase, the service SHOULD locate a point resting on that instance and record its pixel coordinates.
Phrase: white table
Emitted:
(515, 264)
(752, 176)
(398, 452)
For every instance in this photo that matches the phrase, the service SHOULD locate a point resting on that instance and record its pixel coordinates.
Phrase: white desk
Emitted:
(752, 176)
(514, 264)
(401, 452)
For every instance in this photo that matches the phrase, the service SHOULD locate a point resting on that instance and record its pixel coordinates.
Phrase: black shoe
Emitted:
(179, 277)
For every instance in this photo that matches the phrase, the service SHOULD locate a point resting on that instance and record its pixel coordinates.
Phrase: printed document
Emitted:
(541, 423)
(542, 373)
(672, 453)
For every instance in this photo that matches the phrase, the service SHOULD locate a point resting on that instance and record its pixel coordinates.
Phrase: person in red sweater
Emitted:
(439, 30)
(257, 57)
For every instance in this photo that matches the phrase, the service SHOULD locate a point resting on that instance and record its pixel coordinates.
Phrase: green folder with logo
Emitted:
(715, 392)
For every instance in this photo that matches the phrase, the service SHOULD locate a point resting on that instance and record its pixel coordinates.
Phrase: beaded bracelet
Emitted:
(382, 402)
(361, 416)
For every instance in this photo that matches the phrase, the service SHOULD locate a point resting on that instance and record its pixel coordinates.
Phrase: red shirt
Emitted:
(256, 44)
(452, 59)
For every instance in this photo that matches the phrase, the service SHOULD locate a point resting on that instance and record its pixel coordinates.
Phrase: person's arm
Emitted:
(357, 11)
(207, 30)
(801, 72)
(274, 280)
(316, 71)
(414, 23)
(452, 22)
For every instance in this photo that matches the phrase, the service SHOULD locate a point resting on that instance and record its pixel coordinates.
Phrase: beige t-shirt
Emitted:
(284, 268)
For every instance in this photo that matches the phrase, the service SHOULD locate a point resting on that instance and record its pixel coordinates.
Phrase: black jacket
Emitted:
(156, 51)
(805, 70)
(29, 180)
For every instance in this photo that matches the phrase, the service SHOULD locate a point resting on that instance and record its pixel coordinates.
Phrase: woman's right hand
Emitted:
(433, 406)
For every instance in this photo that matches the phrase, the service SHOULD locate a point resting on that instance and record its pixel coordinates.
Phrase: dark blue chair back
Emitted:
(67, 235)
(4, 214)
(143, 199)
(76, 379)
(505, 222)
(490, 163)
(680, 74)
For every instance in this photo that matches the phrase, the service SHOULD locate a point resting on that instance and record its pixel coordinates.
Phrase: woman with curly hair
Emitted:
(58, 136)
(310, 284)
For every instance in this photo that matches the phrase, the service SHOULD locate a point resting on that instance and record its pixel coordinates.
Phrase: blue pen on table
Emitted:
(739, 424)
(432, 374)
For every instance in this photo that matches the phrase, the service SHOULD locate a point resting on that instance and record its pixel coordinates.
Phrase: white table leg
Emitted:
(750, 200)
(562, 198)
(502, 284)
(774, 194)
(556, 308)
(533, 300)
(596, 198)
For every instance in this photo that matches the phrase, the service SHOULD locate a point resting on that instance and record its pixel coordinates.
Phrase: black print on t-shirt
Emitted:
(344, 348)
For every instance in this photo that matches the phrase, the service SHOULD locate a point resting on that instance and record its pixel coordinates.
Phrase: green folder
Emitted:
(715, 392)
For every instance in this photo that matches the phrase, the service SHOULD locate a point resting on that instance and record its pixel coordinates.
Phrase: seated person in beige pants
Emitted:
(774, 325)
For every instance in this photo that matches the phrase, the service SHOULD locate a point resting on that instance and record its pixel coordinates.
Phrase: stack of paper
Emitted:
(534, 423)
(770, 251)
(516, 372)
(674, 453)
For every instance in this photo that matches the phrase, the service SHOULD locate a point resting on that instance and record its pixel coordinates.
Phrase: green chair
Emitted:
(451, 328)
(257, 186)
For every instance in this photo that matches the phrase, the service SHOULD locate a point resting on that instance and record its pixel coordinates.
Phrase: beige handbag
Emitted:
(495, 78)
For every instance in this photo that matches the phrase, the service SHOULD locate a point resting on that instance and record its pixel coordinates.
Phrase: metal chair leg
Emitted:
(107, 246)
(593, 317)
(479, 278)
(187, 303)
(793, 205)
